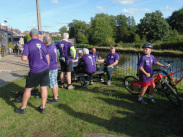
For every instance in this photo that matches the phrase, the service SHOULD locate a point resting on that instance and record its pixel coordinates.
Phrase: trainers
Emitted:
(142, 101)
(85, 84)
(109, 82)
(38, 95)
(20, 110)
(41, 110)
(69, 87)
(62, 86)
(91, 82)
(101, 80)
(151, 100)
(53, 101)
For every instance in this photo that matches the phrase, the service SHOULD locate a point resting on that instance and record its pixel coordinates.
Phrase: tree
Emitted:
(102, 29)
(125, 28)
(153, 26)
(63, 30)
(176, 20)
(79, 30)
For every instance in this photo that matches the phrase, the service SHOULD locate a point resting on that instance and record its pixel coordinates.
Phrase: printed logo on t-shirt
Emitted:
(40, 52)
(112, 57)
(62, 46)
(151, 61)
(147, 62)
(91, 59)
(55, 53)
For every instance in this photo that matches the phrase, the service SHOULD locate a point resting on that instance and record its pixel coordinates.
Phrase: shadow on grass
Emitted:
(9, 92)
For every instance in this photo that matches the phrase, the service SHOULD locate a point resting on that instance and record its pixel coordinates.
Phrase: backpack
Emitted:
(19, 96)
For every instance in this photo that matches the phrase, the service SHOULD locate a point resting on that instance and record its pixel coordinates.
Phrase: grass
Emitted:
(97, 108)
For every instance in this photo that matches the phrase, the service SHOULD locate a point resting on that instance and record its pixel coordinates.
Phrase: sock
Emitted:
(150, 96)
(140, 98)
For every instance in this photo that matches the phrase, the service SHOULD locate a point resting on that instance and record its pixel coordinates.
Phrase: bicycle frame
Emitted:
(171, 74)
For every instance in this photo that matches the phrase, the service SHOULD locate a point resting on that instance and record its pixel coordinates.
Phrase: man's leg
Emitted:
(69, 78)
(62, 76)
(101, 68)
(151, 91)
(26, 97)
(55, 92)
(109, 72)
(141, 94)
(44, 95)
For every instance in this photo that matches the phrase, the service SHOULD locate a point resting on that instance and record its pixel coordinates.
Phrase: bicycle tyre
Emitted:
(171, 94)
(129, 81)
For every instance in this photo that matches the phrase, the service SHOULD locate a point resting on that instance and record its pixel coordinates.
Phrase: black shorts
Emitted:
(34, 79)
(66, 66)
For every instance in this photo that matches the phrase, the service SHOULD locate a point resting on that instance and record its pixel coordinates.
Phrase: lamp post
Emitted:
(38, 16)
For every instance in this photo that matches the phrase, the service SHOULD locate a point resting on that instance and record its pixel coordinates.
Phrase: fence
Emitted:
(128, 64)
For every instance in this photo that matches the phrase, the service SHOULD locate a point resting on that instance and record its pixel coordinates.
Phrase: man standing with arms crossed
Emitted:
(67, 53)
(53, 73)
(36, 52)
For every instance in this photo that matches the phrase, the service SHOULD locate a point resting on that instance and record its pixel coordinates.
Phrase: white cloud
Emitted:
(93, 11)
(180, 1)
(87, 21)
(63, 22)
(48, 26)
(167, 8)
(55, 1)
(132, 11)
(125, 2)
(101, 8)
(8, 18)
(32, 26)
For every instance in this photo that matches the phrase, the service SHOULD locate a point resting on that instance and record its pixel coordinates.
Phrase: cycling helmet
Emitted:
(147, 45)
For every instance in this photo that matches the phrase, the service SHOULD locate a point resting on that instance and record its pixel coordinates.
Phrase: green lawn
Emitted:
(97, 108)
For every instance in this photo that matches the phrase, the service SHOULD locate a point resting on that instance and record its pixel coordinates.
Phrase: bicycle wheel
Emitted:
(171, 94)
(132, 85)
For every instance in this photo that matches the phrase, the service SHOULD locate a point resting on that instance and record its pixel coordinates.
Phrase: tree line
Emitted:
(107, 29)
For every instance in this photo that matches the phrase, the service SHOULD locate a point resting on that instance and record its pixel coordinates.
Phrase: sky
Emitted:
(22, 14)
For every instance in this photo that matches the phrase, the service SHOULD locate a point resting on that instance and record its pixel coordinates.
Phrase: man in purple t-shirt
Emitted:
(53, 73)
(36, 52)
(95, 54)
(111, 63)
(145, 71)
(89, 65)
(67, 53)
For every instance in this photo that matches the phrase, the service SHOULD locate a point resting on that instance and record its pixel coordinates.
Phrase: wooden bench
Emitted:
(80, 75)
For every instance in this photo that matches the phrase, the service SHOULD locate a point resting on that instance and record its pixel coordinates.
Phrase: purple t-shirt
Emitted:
(89, 63)
(52, 50)
(146, 63)
(96, 55)
(111, 58)
(64, 48)
(36, 52)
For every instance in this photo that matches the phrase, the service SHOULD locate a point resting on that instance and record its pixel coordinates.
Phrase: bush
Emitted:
(11, 45)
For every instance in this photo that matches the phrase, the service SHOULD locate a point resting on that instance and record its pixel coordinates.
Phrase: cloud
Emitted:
(132, 11)
(125, 2)
(32, 26)
(8, 18)
(93, 11)
(180, 1)
(101, 8)
(55, 1)
(48, 26)
(167, 8)
(63, 22)
(87, 21)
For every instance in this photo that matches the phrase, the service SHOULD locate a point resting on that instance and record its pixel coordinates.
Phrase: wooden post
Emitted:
(38, 16)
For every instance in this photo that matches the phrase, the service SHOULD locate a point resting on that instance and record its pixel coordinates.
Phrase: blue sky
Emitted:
(21, 14)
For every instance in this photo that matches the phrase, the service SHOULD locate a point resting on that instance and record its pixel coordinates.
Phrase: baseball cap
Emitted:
(40, 33)
(34, 32)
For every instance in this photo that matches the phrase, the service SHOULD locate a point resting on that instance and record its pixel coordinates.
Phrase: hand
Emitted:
(168, 65)
(148, 75)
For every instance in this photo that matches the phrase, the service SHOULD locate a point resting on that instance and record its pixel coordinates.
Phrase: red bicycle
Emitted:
(133, 85)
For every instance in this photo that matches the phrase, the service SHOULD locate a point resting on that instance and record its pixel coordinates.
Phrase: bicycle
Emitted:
(133, 85)
(169, 77)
